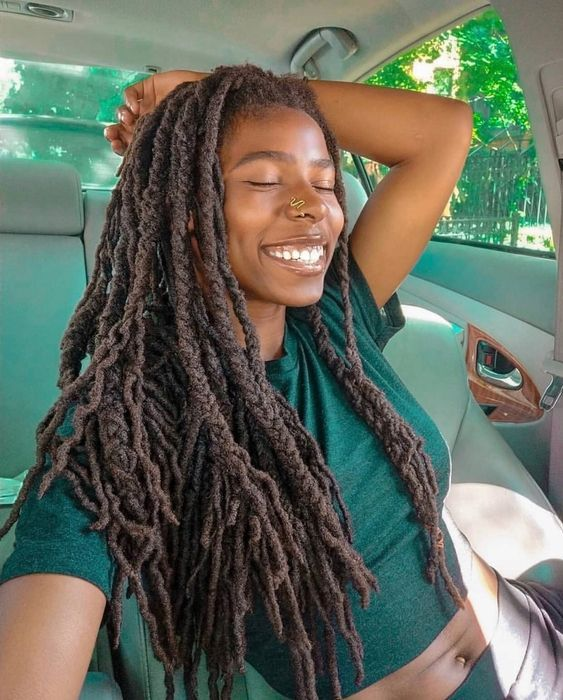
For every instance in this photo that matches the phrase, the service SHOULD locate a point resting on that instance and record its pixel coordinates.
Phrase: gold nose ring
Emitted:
(297, 204)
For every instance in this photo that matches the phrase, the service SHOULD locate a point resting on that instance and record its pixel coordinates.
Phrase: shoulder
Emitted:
(53, 532)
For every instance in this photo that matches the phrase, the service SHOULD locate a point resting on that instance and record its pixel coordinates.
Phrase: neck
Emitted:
(268, 318)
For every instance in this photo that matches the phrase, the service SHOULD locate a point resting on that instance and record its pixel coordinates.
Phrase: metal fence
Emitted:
(499, 192)
(498, 199)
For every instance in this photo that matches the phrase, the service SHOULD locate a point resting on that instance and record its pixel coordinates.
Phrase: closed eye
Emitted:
(262, 184)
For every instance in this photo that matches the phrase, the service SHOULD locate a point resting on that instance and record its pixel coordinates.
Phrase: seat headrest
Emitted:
(40, 198)
(356, 197)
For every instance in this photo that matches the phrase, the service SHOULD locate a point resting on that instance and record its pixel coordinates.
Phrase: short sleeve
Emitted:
(379, 324)
(52, 535)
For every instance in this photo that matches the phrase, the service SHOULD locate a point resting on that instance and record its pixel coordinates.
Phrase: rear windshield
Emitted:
(58, 112)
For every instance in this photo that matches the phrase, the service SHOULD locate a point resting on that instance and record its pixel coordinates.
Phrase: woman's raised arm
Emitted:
(424, 139)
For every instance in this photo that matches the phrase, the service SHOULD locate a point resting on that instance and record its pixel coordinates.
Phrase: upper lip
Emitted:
(301, 240)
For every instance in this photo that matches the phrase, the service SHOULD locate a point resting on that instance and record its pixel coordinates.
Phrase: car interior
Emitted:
(462, 302)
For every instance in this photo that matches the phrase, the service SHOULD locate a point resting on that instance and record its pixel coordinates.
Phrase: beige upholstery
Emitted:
(355, 198)
(42, 277)
(493, 499)
(40, 197)
(95, 205)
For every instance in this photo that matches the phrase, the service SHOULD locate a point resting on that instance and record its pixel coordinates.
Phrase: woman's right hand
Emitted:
(140, 98)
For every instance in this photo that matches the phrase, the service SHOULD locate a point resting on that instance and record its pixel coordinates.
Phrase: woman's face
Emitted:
(266, 160)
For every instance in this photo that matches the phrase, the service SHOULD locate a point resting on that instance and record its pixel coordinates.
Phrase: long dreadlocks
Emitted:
(206, 483)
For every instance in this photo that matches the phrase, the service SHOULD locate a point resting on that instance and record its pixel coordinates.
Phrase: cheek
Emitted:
(245, 222)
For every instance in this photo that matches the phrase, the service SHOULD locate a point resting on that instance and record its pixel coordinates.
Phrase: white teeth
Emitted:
(309, 255)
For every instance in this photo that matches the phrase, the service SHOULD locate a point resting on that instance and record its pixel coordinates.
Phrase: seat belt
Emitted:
(551, 400)
(551, 80)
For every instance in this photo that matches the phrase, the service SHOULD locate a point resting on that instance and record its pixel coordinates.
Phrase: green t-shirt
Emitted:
(409, 612)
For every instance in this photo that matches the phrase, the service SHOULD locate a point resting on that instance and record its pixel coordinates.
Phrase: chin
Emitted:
(296, 292)
(305, 303)
(304, 300)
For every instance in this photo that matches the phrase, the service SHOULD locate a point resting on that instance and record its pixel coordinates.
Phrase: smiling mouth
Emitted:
(301, 259)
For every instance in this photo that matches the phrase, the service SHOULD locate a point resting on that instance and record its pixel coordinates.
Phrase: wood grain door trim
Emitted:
(512, 405)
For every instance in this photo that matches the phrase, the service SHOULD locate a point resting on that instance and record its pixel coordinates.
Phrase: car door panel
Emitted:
(527, 343)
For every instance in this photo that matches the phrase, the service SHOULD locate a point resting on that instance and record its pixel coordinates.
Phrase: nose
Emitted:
(306, 203)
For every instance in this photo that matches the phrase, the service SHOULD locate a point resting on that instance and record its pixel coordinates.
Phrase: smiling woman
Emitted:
(267, 234)
(252, 467)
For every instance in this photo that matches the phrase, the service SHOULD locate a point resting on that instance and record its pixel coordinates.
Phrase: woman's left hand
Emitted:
(141, 98)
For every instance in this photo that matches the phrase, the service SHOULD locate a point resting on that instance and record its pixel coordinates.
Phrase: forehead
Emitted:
(274, 129)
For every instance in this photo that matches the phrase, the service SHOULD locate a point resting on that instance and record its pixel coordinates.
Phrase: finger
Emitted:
(118, 147)
(125, 116)
(111, 132)
(134, 95)
(119, 137)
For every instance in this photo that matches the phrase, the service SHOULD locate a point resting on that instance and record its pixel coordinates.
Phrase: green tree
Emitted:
(486, 76)
(494, 185)
(77, 92)
(398, 73)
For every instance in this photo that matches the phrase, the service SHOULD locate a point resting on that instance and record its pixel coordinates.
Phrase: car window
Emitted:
(498, 200)
(58, 112)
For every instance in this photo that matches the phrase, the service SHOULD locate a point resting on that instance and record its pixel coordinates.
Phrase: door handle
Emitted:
(495, 368)
(509, 380)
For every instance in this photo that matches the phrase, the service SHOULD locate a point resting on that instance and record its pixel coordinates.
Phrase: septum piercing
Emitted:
(297, 204)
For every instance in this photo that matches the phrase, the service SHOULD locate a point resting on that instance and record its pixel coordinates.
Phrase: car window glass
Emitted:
(58, 112)
(498, 200)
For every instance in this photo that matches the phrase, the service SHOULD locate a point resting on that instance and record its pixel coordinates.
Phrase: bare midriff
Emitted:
(443, 666)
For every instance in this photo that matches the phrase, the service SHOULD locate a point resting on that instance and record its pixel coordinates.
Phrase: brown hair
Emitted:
(208, 486)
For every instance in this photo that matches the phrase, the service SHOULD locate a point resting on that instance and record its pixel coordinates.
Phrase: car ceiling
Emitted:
(201, 34)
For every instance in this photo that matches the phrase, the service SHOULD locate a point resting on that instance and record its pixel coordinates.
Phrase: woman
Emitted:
(242, 451)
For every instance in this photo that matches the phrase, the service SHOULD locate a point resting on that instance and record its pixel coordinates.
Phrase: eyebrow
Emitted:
(280, 156)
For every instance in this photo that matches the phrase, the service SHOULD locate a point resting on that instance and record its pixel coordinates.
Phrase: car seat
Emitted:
(42, 277)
